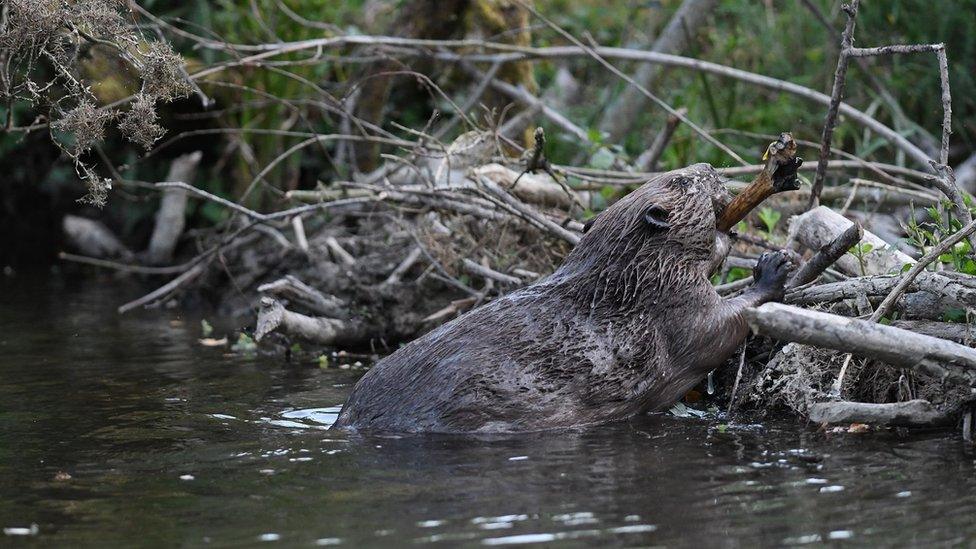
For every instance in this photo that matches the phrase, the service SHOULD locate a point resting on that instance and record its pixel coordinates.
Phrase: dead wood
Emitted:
(820, 226)
(778, 175)
(171, 216)
(273, 316)
(314, 301)
(930, 294)
(913, 413)
(647, 161)
(826, 256)
(93, 239)
(540, 189)
(490, 274)
(964, 333)
(894, 346)
(680, 31)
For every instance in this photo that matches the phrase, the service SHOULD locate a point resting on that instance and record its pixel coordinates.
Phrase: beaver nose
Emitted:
(720, 201)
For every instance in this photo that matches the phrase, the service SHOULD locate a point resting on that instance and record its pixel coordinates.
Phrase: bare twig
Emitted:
(647, 161)
(165, 289)
(404, 266)
(933, 254)
(489, 273)
(339, 253)
(657, 100)
(826, 256)
(836, 95)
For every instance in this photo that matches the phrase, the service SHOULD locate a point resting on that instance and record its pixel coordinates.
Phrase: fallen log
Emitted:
(930, 293)
(912, 413)
(171, 216)
(894, 346)
(821, 225)
(273, 316)
(296, 291)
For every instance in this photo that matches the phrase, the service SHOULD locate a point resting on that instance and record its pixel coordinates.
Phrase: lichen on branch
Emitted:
(42, 43)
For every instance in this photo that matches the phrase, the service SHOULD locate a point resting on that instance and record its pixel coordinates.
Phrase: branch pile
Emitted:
(870, 330)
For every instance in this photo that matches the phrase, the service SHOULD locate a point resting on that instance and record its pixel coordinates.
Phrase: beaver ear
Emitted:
(656, 218)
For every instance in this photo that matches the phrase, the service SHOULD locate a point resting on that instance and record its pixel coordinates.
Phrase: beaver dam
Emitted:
(522, 223)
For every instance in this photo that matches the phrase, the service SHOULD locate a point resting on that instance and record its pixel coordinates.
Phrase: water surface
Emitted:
(168, 442)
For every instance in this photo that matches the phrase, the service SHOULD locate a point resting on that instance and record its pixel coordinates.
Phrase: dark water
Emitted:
(169, 443)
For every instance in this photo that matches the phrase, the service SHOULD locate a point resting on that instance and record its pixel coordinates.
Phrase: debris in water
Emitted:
(33, 530)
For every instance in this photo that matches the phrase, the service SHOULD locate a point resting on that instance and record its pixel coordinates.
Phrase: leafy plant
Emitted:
(860, 252)
(770, 218)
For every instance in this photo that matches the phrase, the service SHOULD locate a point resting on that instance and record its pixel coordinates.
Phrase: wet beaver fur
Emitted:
(627, 325)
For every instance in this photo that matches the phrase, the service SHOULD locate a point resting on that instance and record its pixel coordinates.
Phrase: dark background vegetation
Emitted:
(776, 38)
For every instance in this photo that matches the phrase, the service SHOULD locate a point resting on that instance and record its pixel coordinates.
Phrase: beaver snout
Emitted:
(721, 199)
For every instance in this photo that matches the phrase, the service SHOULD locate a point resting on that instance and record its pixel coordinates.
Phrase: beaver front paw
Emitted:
(771, 272)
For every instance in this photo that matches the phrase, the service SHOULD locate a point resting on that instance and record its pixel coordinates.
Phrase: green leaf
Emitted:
(594, 135)
(244, 344)
(954, 315)
(770, 218)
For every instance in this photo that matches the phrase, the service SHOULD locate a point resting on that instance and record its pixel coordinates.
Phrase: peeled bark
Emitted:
(819, 226)
(778, 175)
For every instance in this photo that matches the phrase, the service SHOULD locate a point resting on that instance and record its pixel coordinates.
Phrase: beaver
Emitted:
(626, 325)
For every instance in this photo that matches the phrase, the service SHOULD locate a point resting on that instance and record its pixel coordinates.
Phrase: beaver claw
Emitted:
(771, 272)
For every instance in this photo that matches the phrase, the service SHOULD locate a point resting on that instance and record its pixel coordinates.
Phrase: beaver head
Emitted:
(662, 234)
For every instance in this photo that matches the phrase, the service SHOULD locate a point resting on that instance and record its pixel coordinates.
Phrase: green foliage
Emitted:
(779, 39)
(245, 344)
(928, 234)
(860, 252)
(770, 219)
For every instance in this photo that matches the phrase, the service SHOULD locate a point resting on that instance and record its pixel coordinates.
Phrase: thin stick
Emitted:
(838, 385)
(138, 269)
(647, 161)
(214, 198)
(889, 302)
(836, 95)
(826, 256)
(738, 377)
(165, 289)
(660, 102)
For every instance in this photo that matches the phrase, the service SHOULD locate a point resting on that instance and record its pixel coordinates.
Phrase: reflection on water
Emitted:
(129, 432)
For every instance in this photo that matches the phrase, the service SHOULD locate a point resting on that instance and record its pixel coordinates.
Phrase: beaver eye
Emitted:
(683, 182)
(656, 218)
